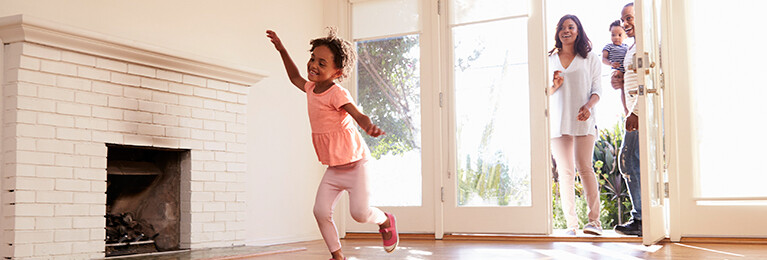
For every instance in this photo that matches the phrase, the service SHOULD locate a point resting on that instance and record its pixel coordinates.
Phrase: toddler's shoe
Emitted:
(391, 243)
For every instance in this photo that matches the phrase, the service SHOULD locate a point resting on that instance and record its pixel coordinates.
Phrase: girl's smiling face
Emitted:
(618, 35)
(568, 33)
(321, 66)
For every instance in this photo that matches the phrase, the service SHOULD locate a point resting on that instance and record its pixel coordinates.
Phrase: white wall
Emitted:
(283, 171)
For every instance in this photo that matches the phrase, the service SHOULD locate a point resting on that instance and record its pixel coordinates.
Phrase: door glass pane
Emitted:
(385, 17)
(727, 98)
(466, 11)
(389, 91)
(653, 145)
(649, 42)
(492, 113)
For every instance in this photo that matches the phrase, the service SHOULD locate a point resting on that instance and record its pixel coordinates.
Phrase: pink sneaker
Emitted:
(391, 243)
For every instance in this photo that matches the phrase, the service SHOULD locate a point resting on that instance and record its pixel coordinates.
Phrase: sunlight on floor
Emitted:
(562, 250)
(603, 251)
(710, 250)
(650, 249)
(497, 253)
(559, 254)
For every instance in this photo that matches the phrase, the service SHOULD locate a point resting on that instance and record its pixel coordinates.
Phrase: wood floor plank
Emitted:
(471, 249)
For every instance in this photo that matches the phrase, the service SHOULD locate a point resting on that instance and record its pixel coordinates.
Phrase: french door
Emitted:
(652, 143)
(463, 108)
(497, 177)
(720, 191)
(394, 87)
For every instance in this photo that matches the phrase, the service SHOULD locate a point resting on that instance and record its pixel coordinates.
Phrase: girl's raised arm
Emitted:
(290, 67)
(363, 120)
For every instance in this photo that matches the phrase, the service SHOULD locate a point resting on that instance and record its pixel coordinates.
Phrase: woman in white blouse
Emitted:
(575, 91)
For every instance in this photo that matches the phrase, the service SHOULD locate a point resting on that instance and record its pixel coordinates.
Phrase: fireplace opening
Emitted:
(143, 199)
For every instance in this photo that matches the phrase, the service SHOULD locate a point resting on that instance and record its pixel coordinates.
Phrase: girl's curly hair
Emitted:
(344, 55)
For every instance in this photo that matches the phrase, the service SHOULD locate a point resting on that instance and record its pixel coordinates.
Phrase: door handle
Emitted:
(641, 90)
(649, 91)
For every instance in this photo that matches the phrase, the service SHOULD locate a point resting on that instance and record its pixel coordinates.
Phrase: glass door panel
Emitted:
(491, 98)
(468, 11)
(388, 90)
(490, 137)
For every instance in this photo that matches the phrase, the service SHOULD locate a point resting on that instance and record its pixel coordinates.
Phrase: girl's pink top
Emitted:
(335, 137)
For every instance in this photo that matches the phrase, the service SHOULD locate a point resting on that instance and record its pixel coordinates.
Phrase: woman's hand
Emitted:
(615, 64)
(558, 79)
(557, 82)
(275, 40)
(632, 122)
(584, 113)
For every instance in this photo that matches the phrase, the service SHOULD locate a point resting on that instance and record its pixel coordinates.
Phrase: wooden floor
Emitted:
(414, 247)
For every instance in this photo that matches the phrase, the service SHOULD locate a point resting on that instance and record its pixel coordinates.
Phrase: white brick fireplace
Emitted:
(67, 93)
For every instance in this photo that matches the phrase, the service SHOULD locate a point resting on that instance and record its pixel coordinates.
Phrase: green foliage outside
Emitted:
(491, 181)
(388, 77)
(615, 202)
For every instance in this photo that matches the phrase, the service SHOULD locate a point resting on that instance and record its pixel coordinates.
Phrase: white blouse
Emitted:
(581, 80)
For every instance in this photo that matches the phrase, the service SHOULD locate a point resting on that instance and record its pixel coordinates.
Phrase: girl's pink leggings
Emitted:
(353, 178)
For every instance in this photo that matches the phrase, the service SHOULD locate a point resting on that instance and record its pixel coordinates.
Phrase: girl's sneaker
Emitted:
(391, 243)
(593, 229)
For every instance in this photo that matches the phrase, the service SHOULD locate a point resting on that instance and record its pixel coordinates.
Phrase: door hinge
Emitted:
(665, 189)
(546, 113)
(440, 99)
(439, 7)
(442, 194)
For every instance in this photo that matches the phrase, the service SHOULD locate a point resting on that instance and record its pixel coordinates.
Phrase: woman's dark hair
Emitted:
(582, 42)
(614, 24)
(344, 55)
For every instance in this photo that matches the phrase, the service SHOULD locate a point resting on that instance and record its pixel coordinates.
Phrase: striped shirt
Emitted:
(616, 53)
(630, 81)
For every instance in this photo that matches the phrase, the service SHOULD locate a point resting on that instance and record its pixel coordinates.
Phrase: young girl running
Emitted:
(336, 140)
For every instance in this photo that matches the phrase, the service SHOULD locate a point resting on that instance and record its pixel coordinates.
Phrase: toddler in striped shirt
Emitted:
(613, 54)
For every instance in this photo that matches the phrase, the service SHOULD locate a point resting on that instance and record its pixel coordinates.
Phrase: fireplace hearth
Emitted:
(143, 198)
